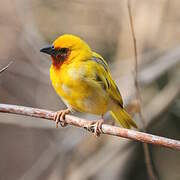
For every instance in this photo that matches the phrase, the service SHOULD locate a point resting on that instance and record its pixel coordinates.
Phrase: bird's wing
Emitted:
(104, 77)
(99, 59)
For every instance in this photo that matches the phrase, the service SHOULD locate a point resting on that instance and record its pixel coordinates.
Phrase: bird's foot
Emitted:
(97, 126)
(59, 117)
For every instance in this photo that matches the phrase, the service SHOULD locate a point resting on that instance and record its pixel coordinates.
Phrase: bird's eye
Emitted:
(62, 53)
(63, 50)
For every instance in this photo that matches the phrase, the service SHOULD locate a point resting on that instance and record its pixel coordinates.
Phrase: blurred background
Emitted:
(33, 149)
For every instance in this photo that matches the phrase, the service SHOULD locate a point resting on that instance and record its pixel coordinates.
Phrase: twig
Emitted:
(3, 69)
(149, 165)
(107, 129)
(136, 62)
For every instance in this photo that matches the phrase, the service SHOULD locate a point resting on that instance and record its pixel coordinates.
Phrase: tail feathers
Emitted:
(121, 116)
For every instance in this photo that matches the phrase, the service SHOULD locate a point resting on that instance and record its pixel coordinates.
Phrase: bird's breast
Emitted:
(73, 87)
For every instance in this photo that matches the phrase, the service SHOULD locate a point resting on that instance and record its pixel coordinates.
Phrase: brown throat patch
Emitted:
(60, 59)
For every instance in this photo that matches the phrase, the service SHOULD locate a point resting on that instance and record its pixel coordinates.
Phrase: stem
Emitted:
(150, 168)
(3, 69)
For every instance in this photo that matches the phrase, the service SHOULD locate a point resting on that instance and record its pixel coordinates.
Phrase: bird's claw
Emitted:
(59, 117)
(96, 127)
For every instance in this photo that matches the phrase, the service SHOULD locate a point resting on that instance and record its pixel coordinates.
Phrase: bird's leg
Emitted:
(112, 122)
(59, 117)
(97, 126)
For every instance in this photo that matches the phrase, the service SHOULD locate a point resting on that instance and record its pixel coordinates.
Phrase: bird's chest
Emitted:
(73, 87)
(69, 83)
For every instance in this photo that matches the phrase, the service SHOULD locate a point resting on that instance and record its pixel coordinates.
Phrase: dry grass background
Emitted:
(34, 149)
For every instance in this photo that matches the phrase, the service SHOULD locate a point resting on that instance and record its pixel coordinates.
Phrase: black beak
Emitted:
(49, 50)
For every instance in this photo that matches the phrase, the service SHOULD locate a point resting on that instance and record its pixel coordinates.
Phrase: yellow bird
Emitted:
(82, 79)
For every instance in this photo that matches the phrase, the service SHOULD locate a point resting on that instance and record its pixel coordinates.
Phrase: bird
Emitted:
(82, 79)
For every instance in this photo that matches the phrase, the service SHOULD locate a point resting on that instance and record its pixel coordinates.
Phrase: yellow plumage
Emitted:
(82, 79)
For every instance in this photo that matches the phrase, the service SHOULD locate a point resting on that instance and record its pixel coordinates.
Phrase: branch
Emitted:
(3, 69)
(107, 129)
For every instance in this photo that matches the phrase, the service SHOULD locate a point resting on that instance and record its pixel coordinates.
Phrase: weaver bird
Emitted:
(82, 79)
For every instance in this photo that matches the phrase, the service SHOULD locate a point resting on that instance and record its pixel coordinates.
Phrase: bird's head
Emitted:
(67, 48)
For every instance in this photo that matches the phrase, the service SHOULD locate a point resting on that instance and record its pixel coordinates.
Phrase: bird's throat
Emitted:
(56, 62)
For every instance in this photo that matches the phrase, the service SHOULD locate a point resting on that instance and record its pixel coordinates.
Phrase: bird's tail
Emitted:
(121, 116)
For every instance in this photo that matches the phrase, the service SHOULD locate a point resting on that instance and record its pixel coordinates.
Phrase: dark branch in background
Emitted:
(3, 69)
(150, 168)
(86, 124)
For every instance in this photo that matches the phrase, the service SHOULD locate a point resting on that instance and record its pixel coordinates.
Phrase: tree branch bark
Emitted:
(107, 129)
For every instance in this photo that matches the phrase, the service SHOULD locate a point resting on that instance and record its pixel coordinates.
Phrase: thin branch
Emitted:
(3, 69)
(86, 124)
(149, 165)
(136, 62)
